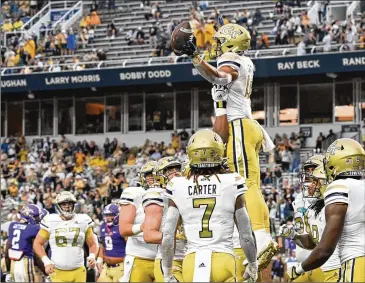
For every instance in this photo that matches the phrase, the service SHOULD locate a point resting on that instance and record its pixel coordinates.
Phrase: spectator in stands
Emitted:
(62, 42)
(278, 7)
(209, 32)
(362, 39)
(153, 35)
(140, 36)
(130, 37)
(30, 46)
(90, 35)
(71, 42)
(84, 37)
(263, 41)
(327, 39)
(111, 30)
(85, 22)
(7, 26)
(278, 269)
(94, 19)
(18, 24)
(257, 17)
(184, 138)
(331, 135)
(156, 10)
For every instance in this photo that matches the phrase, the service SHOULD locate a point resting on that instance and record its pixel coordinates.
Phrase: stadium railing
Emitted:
(34, 23)
(148, 61)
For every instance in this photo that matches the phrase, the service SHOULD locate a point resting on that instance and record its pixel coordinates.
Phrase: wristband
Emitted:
(196, 59)
(46, 260)
(91, 256)
(99, 260)
(136, 228)
(167, 272)
(220, 108)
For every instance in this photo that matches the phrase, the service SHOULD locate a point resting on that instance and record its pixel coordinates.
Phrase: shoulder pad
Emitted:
(85, 219)
(230, 59)
(337, 191)
(129, 195)
(47, 221)
(153, 196)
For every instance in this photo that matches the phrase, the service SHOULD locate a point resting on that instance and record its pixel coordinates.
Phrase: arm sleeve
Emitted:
(153, 196)
(45, 224)
(336, 192)
(169, 190)
(230, 59)
(128, 197)
(239, 185)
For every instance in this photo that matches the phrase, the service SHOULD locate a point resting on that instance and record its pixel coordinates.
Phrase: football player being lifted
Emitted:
(209, 201)
(344, 213)
(232, 86)
(67, 232)
(315, 223)
(112, 250)
(19, 247)
(155, 205)
(301, 205)
(140, 256)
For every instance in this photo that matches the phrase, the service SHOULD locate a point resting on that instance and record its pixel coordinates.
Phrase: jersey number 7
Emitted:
(210, 204)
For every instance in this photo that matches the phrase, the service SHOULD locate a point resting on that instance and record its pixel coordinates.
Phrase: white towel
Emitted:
(267, 144)
(203, 264)
(128, 265)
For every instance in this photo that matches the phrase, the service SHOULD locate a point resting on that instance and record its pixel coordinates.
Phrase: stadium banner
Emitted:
(180, 73)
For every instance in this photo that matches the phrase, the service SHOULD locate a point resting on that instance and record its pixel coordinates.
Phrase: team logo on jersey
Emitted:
(230, 30)
(202, 265)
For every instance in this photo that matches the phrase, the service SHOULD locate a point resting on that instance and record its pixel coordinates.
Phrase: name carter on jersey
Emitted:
(202, 190)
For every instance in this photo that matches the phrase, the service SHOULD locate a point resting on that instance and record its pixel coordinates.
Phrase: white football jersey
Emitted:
(157, 196)
(300, 206)
(239, 91)
(136, 246)
(67, 239)
(236, 238)
(207, 209)
(317, 225)
(351, 192)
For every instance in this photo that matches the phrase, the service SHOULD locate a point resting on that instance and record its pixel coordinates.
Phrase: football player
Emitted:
(66, 232)
(315, 221)
(209, 203)
(112, 251)
(232, 87)
(155, 205)
(301, 205)
(344, 213)
(140, 256)
(20, 244)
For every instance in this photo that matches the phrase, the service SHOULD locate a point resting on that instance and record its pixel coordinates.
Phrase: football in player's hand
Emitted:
(180, 36)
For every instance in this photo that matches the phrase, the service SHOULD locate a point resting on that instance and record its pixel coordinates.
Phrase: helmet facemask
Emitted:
(66, 209)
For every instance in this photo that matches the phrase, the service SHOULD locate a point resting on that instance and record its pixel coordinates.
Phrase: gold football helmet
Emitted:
(346, 158)
(308, 167)
(317, 183)
(147, 169)
(165, 166)
(232, 38)
(185, 168)
(205, 149)
(66, 204)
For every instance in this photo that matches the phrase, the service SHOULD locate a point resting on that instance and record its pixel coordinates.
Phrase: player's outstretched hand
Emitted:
(49, 268)
(251, 272)
(190, 48)
(91, 261)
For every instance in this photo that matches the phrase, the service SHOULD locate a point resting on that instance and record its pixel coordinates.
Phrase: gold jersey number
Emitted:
(205, 232)
(61, 239)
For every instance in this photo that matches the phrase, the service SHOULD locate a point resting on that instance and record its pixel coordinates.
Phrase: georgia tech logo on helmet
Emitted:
(230, 30)
(332, 149)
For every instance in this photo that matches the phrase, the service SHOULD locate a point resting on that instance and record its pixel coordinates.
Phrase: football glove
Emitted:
(287, 231)
(295, 271)
(251, 272)
(219, 93)
(190, 48)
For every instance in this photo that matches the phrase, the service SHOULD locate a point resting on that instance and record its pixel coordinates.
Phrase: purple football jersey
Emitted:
(21, 236)
(113, 242)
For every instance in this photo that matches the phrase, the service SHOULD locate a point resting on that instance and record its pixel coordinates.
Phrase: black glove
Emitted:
(189, 47)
